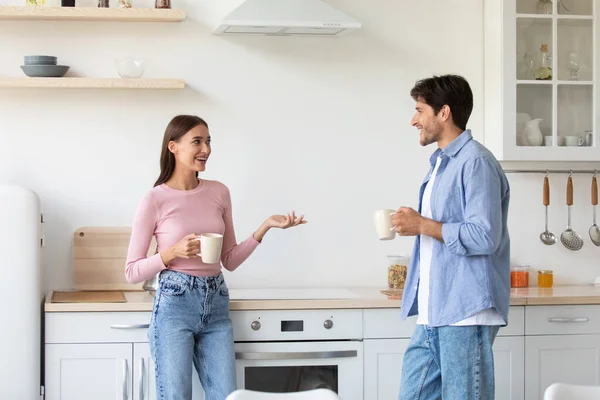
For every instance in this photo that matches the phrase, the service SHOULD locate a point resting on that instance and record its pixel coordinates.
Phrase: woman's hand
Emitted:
(285, 221)
(278, 221)
(188, 247)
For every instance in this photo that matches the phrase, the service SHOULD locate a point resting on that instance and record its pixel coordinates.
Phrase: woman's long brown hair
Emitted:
(179, 126)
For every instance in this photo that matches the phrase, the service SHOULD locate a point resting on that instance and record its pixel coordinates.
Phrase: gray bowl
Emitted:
(40, 60)
(45, 71)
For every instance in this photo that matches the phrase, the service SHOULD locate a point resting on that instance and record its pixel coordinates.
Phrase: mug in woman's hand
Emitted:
(210, 247)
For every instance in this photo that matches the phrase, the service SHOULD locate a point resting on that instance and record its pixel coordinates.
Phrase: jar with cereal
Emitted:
(162, 4)
(397, 267)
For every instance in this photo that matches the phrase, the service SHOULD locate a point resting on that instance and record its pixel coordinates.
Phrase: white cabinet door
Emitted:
(383, 368)
(509, 360)
(560, 358)
(528, 117)
(144, 387)
(88, 371)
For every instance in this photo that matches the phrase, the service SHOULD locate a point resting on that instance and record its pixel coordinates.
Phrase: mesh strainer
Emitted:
(569, 238)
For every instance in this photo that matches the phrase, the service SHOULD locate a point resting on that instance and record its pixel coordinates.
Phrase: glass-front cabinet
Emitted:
(541, 88)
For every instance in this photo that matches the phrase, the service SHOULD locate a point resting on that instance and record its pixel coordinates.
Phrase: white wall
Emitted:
(318, 125)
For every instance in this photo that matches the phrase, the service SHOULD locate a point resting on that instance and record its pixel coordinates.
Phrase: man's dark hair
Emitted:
(451, 90)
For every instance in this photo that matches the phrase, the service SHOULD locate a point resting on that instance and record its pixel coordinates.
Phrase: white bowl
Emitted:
(130, 67)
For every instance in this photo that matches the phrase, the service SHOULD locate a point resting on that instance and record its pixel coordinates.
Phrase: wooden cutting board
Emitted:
(99, 256)
(88, 297)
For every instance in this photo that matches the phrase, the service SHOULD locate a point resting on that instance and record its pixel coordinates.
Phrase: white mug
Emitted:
(383, 224)
(548, 140)
(574, 141)
(210, 247)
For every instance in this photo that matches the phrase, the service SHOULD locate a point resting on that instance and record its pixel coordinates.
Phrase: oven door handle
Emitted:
(300, 355)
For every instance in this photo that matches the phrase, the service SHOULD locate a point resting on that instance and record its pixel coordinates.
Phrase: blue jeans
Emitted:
(190, 324)
(450, 363)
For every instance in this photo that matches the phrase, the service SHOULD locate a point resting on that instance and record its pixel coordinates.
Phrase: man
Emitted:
(458, 280)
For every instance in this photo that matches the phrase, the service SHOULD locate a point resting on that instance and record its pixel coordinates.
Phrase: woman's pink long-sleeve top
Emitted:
(171, 214)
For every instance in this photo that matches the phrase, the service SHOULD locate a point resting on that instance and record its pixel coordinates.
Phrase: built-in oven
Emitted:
(296, 350)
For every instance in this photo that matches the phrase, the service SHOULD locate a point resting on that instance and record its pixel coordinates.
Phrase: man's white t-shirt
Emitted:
(484, 317)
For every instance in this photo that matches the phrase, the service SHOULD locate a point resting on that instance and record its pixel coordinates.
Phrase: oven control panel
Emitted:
(296, 325)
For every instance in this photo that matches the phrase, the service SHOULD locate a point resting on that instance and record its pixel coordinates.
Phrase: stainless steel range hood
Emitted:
(287, 18)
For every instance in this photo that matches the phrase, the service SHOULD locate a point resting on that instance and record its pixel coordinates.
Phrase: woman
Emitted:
(190, 320)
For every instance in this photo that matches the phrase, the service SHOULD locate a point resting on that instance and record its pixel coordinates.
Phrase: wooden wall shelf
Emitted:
(33, 13)
(92, 83)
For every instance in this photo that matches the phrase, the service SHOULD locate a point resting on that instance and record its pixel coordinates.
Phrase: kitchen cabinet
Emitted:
(562, 358)
(121, 371)
(88, 371)
(385, 344)
(101, 355)
(383, 368)
(550, 117)
(144, 387)
(509, 373)
(562, 344)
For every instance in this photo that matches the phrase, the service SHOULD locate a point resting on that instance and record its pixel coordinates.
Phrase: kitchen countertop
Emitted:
(358, 298)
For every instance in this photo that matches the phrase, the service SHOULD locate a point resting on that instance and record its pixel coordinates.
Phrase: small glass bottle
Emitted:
(545, 278)
(543, 7)
(544, 72)
(162, 4)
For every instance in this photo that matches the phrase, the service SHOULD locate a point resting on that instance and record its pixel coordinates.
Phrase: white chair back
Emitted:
(565, 391)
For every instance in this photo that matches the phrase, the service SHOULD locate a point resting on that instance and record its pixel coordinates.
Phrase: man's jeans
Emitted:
(450, 363)
(190, 324)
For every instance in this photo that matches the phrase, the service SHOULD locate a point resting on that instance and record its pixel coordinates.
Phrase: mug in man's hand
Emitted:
(383, 224)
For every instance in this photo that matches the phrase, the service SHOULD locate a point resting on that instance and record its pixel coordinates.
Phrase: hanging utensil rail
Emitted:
(552, 171)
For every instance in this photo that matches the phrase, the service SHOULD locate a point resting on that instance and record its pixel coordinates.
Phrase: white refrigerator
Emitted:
(21, 293)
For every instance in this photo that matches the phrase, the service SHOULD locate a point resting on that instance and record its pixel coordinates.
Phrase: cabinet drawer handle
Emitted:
(142, 373)
(138, 326)
(295, 355)
(575, 319)
(125, 373)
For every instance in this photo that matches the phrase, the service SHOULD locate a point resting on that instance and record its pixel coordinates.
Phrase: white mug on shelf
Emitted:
(548, 140)
(573, 141)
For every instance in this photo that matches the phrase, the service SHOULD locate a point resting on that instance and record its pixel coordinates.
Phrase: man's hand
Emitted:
(407, 222)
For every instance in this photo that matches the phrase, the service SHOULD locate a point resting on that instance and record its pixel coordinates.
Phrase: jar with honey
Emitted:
(519, 276)
(545, 278)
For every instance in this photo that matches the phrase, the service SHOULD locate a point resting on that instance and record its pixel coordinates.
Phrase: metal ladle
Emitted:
(594, 229)
(569, 238)
(547, 237)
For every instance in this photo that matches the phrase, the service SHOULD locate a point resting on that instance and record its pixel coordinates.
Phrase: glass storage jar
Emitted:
(545, 278)
(519, 276)
(162, 4)
(397, 267)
